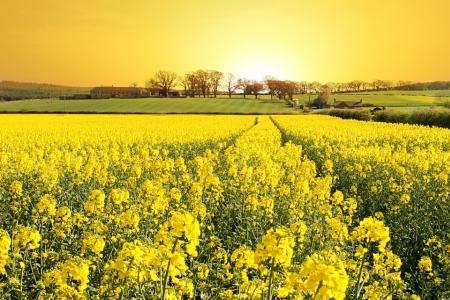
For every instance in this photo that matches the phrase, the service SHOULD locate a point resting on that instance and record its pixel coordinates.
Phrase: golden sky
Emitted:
(104, 42)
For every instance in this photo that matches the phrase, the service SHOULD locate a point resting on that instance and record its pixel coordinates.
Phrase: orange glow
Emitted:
(93, 42)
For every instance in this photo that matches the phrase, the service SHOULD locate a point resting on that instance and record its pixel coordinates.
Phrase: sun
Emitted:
(257, 66)
(257, 69)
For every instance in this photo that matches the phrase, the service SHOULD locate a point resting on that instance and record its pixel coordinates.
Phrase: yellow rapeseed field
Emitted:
(222, 207)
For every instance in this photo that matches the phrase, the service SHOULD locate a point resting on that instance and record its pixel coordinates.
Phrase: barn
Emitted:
(347, 104)
(118, 92)
(158, 92)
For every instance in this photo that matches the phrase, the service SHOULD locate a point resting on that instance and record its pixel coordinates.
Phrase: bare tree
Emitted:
(203, 82)
(243, 84)
(358, 84)
(341, 87)
(255, 88)
(404, 83)
(322, 99)
(333, 86)
(314, 87)
(185, 83)
(164, 80)
(291, 88)
(134, 84)
(282, 89)
(189, 82)
(303, 87)
(364, 85)
(271, 84)
(214, 79)
(387, 84)
(377, 84)
(230, 84)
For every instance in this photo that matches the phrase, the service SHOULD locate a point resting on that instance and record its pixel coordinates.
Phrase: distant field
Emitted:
(414, 108)
(389, 98)
(37, 90)
(433, 93)
(153, 105)
(399, 100)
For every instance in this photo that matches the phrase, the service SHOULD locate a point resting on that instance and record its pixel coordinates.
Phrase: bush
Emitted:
(391, 116)
(319, 102)
(429, 117)
(348, 114)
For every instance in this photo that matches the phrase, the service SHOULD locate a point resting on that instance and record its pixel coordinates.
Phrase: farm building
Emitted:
(118, 92)
(347, 104)
(158, 92)
(75, 97)
(130, 92)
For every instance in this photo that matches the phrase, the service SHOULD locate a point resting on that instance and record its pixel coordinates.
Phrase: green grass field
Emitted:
(431, 93)
(402, 100)
(380, 99)
(394, 98)
(35, 90)
(153, 105)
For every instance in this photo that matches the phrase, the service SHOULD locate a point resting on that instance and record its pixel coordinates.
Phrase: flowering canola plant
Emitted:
(399, 171)
(216, 207)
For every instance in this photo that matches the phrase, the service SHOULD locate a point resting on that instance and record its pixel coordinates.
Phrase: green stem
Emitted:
(166, 274)
(270, 294)
(318, 289)
(358, 290)
(21, 283)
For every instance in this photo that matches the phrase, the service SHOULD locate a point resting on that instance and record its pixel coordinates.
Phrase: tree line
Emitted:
(210, 83)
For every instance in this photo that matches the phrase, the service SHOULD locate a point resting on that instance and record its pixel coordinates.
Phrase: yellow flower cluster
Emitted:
(26, 238)
(221, 207)
(321, 276)
(277, 246)
(425, 264)
(70, 278)
(400, 171)
(5, 244)
(371, 230)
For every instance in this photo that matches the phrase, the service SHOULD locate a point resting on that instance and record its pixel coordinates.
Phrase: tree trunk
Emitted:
(167, 91)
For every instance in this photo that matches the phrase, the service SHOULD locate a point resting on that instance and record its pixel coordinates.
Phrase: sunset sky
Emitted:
(116, 42)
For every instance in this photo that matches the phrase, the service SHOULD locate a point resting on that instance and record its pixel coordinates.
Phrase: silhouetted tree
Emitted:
(255, 88)
(243, 85)
(203, 82)
(303, 87)
(322, 99)
(291, 88)
(163, 80)
(271, 84)
(230, 84)
(214, 79)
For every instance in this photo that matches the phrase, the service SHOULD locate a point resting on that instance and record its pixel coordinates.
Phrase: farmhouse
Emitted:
(75, 97)
(106, 92)
(118, 92)
(158, 92)
(347, 104)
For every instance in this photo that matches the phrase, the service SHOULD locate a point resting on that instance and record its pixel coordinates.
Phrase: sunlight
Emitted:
(256, 67)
